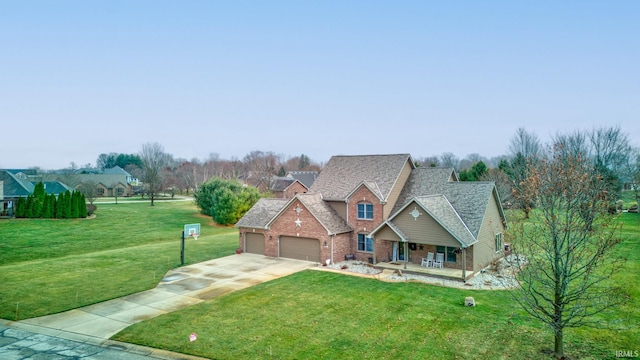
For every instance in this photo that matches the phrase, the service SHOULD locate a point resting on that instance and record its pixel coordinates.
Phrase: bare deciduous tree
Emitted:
(154, 159)
(568, 245)
(88, 189)
(525, 143)
(449, 159)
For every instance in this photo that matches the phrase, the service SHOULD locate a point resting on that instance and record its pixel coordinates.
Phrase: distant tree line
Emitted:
(39, 204)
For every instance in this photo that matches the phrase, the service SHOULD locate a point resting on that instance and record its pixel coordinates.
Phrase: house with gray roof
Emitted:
(17, 184)
(384, 210)
(307, 178)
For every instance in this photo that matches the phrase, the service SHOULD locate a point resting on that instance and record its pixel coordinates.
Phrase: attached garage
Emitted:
(299, 248)
(254, 243)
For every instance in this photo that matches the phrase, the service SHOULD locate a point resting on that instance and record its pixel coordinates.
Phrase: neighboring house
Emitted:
(4, 211)
(117, 170)
(17, 184)
(384, 210)
(111, 183)
(307, 178)
(280, 187)
(286, 188)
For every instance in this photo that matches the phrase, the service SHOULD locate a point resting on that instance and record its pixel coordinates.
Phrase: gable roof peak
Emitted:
(343, 173)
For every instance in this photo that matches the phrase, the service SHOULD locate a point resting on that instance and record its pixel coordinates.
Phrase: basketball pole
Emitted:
(182, 250)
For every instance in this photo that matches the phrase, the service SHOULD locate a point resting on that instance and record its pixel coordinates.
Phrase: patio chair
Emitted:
(428, 261)
(439, 260)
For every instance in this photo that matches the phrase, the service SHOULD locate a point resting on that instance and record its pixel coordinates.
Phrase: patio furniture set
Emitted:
(429, 261)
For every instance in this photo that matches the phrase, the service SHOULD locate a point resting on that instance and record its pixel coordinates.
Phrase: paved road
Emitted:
(87, 328)
(17, 343)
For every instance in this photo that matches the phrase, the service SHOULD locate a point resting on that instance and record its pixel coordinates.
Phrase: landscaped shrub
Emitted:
(67, 205)
(90, 209)
(226, 201)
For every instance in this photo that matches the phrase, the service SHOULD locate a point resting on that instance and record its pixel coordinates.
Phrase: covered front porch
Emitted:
(445, 273)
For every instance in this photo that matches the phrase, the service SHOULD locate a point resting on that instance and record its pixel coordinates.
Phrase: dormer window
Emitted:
(365, 211)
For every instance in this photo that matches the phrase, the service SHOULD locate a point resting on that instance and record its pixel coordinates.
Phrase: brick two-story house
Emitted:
(380, 209)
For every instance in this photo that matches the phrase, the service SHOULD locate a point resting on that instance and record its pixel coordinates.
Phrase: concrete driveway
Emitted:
(180, 288)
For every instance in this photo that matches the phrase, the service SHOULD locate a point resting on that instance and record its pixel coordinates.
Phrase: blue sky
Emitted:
(81, 78)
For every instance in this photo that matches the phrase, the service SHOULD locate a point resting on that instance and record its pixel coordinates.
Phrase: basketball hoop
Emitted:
(194, 236)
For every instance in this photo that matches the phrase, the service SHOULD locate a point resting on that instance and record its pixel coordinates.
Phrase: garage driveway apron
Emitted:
(178, 289)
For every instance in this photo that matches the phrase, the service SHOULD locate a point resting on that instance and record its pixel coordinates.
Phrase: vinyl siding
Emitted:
(387, 234)
(424, 229)
(484, 250)
(397, 188)
(340, 207)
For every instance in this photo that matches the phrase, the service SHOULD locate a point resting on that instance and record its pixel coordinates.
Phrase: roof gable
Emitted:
(373, 188)
(439, 207)
(440, 210)
(425, 181)
(261, 213)
(342, 174)
(322, 212)
(307, 178)
(266, 211)
(116, 170)
(283, 183)
(15, 186)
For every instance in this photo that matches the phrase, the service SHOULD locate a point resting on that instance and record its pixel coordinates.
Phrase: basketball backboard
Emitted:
(192, 230)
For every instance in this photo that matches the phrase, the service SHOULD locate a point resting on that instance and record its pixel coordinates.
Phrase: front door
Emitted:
(400, 251)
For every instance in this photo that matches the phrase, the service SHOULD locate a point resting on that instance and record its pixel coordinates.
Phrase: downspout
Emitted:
(332, 236)
(375, 257)
(244, 241)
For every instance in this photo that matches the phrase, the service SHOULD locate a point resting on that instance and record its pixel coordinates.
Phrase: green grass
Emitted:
(315, 314)
(49, 266)
(629, 198)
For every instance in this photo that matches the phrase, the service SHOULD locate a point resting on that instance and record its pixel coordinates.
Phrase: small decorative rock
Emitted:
(399, 272)
(469, 301)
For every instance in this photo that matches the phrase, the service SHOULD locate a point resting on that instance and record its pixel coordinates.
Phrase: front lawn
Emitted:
(48, 266)
(320, 315)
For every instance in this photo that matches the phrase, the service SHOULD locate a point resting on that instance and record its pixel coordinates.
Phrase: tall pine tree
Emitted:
(73, 211)
(66, 206)
(82, 206)
(39, 195)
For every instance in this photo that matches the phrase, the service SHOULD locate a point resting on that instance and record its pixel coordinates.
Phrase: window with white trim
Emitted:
(365, 211)
(365, 243)
(498, 242)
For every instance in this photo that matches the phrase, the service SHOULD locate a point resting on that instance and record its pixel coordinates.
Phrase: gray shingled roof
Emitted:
(15, 186)
(55, 187)
(281, 183)
(443, 212)
(469, 199)
(305, 177)
(325, 214)
(116, 170)
(343, 173)
(265, 211)
(72, 180)
(262, 213)
(423, 181)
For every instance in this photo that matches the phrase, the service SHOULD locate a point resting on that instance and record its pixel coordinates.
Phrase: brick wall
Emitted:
(293, 189)
(361, 226)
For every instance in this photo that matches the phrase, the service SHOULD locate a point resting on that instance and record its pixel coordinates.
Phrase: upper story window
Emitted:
(365, 211)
